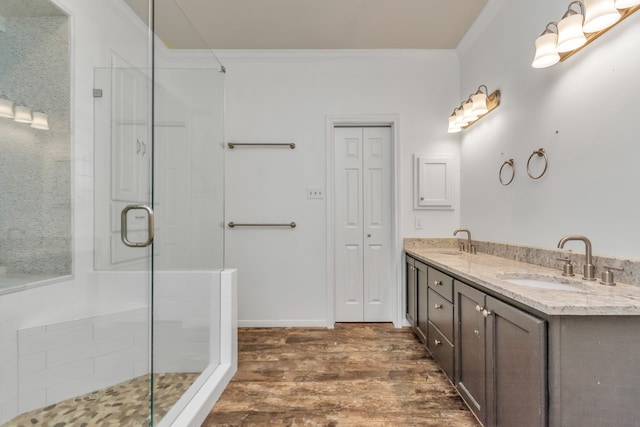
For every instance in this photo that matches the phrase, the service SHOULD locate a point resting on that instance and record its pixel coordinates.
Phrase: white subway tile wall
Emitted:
(65, 359)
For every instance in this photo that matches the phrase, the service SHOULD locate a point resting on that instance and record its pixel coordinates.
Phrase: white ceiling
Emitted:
(311, 24)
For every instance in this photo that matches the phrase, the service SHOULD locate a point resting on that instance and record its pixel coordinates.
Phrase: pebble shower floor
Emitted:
(124, 405)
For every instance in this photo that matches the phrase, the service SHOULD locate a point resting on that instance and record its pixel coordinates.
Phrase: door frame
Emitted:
(393, 121)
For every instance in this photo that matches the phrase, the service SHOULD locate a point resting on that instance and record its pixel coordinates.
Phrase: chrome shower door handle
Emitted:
(123, 226)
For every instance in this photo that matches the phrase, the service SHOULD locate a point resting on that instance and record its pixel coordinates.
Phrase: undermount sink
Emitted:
(541, 282)
(445, 252)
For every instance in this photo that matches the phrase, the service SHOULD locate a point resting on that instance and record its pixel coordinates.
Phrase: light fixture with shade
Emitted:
(467, 108)
(479, 100)
(453, 126)
(599, 14)
(40, 121)
(473, 108)
(546, 48)
(6, 107)
(578, 28)
(22, 114)
(460, 120)
(570, 34)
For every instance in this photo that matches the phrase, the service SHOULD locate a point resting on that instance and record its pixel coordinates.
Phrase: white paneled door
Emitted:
(363, 257)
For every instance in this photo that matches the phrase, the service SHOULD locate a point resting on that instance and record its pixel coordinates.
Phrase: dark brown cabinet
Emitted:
(411, 291)
(500, 360)
(422, 296)
(517, 366)
(440, 313)
(417, 298)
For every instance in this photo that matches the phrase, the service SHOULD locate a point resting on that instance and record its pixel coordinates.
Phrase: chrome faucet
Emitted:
(589, 270)
(468, 237)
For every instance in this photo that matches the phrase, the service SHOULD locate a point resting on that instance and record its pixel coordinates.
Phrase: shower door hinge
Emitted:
(97, 93)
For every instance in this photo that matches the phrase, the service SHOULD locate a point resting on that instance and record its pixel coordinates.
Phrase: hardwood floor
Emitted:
(357, 375)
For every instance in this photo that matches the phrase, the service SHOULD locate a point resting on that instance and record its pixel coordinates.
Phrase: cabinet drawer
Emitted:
(441, 314)
(441, 283)
(441, 350)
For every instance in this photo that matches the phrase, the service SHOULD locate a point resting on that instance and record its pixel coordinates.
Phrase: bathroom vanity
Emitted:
(523, 344)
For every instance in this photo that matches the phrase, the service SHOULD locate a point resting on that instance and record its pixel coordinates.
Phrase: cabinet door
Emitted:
(411, 291)
(516, 366)
(423, 301)
(470, 347)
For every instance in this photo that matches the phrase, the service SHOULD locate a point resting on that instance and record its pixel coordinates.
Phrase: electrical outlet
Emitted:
(419, 222)
(315, 193)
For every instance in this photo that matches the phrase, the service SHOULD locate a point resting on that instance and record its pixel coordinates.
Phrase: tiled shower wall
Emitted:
(35, 188)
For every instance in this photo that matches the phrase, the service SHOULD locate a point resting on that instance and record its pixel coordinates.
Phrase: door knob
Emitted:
(368, 235)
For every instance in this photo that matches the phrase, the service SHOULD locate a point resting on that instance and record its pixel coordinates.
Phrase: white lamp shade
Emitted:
(624, 4)
(40, 121)
(570, 35)
(546, 53)
(22, 114)
(6, 108)
(469, 115)
(599, 14)
(460, 120)
(453, 127)
(479, 104)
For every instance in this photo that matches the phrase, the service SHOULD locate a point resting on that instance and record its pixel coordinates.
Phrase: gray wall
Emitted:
(583, 112)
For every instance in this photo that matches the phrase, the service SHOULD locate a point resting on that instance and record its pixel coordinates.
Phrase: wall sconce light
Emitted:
(40, 121)
(476, 106)
(22, 114)
(580, 27)
(6, 107)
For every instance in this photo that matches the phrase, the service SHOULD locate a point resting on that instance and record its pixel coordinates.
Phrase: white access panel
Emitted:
(434, 182)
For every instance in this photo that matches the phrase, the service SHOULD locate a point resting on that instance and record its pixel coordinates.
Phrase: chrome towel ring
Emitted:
(513, 172)
(540, 152)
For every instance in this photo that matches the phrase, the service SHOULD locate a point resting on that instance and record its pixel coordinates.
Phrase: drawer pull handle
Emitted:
(437, 342)
(486, 313)
(437, 283)
(438, 306)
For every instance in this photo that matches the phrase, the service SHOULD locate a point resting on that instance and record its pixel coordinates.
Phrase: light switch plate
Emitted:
(419, 224)
(315, 193)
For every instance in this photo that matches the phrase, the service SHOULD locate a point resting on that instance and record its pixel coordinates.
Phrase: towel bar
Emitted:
(233, 225)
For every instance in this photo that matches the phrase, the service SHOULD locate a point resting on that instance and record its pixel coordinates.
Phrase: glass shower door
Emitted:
(187, 170)
(124, 228)
(161, 226)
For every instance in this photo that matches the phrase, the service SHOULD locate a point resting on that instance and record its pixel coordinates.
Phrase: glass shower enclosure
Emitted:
(126, 189)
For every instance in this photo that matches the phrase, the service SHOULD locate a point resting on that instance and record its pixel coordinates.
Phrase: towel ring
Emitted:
(540, 152)
(513, 172)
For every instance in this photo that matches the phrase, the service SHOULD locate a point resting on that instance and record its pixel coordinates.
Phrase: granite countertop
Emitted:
(588, 298)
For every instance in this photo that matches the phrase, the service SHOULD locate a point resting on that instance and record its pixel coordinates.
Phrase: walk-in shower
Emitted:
(114, 301)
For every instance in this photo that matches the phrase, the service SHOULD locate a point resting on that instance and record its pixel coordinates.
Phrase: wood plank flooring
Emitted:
(365, 374)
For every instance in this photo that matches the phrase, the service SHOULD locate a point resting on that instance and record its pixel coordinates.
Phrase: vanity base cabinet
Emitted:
(470, 354)
(422, 321)
(594, 371)
(516, 366)
(410, 271)
(500, 360)
(417, 298)
(442, 350)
